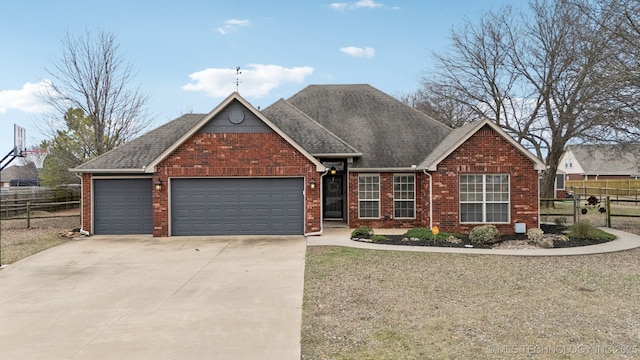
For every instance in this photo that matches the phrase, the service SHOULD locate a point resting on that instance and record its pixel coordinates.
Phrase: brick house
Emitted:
(344, 153)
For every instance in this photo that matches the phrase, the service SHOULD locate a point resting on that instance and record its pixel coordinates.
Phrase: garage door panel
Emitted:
(122, 206)
(237, 206)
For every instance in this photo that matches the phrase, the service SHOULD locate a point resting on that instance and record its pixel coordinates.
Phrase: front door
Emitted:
(333, 196)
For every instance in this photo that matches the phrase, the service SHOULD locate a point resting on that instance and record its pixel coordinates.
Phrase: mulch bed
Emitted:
(547, 228)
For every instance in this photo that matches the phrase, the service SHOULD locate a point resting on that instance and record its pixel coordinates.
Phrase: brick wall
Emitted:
(241, 154)
(486, 152)
(387, 219)
(86, 202)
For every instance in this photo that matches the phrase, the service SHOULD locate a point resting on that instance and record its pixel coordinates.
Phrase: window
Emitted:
(559, 181)
(484, 198)
(369, 196)
(404, 196)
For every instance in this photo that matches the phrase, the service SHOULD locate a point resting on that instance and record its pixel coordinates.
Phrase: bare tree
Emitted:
(545, 74)
(430, 101)
(90, 75)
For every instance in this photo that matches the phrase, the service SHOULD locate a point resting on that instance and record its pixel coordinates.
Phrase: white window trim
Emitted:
(414, 196)
(563, 182)
(369, 200)
(485, 202)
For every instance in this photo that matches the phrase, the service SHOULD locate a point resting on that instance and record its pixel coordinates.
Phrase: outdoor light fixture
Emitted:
(312, 184)
(158, 185)
(333, 170)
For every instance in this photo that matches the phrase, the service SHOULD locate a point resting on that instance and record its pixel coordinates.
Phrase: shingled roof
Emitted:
(137, 154)
(312, 136)
(608, 159)
(331, 121)
(389, 134)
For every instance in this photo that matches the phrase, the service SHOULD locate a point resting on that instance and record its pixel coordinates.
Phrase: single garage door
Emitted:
(273, 206)
(122, 206)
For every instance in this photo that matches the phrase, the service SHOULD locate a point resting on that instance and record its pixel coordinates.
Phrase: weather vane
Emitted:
(238, 72)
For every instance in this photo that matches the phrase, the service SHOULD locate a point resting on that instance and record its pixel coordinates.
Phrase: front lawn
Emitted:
(367, 304)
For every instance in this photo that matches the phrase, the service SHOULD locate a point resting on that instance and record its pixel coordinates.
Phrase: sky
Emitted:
(184, 54)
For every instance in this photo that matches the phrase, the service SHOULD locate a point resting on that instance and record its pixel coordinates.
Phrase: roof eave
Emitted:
(337, 155)
(385, 169)
(112, 171)
(537, 163)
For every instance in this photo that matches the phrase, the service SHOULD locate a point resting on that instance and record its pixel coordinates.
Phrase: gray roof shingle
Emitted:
(389, 133)
(309, 134)
(608, 159)
(140, 152)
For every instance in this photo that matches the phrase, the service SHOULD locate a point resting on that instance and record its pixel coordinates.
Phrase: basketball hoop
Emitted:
(38, 156)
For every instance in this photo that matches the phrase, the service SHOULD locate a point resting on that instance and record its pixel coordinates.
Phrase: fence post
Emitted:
(576, 200)
(28, 214)
(608, 212)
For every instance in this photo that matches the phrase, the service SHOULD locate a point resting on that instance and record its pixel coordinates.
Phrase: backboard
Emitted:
(19, 140)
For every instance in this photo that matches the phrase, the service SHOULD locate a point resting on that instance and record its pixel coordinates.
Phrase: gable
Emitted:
(233, 115)
(485, 128)
(235, 118)
(486, 146)
(569, 164)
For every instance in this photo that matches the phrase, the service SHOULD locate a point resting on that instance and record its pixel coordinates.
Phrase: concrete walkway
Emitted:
(138, 297)
(341, 237)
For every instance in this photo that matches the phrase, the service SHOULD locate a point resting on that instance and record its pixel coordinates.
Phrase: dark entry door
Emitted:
(333, 197)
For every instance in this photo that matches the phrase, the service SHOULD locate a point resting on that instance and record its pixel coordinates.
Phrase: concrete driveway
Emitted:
(138, 297)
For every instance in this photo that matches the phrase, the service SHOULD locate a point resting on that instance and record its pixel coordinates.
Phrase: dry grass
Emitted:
(19, 242)
(365, 304)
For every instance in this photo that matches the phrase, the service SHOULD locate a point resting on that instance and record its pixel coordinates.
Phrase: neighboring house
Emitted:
(19, 175)
(600, 162)
(347, 153)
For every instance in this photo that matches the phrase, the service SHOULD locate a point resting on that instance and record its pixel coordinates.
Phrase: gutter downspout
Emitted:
(318, 233)
(82, 230)
(430, 198)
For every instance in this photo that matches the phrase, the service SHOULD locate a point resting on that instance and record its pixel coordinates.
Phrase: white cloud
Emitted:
(256, 81)
(232, 25)
(356, 5)
(338, 6)
(26, 99)
(367, 4)
(359, 52)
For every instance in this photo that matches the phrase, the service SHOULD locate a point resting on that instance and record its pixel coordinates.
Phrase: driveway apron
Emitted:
(138, 297)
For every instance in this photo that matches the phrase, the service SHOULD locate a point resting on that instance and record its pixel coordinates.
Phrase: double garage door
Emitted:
(267, 206)
(273, 206)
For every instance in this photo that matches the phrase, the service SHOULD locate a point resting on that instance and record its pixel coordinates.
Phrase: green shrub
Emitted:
(484, 235)
(419, 233)
(364, 232)
(583, 230)
(376, 238)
